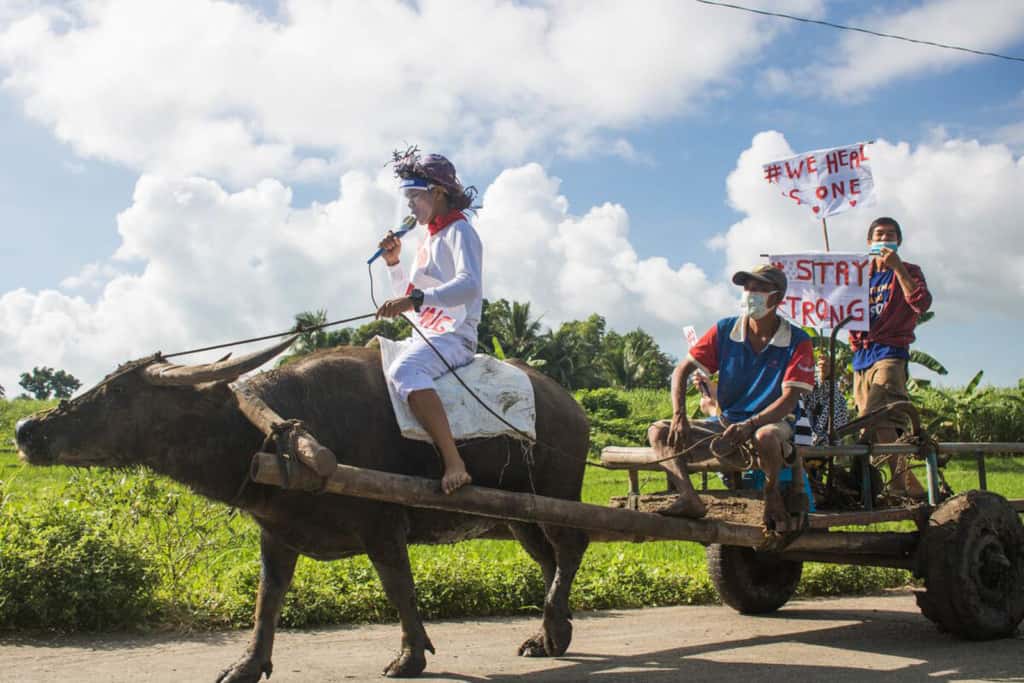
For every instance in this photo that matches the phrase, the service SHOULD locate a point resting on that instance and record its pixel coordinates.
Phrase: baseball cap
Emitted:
(765, 273)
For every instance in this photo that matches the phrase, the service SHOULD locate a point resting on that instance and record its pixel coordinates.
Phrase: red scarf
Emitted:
(441, 222)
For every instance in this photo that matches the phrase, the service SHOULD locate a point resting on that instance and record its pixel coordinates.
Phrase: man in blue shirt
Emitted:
(764, 365)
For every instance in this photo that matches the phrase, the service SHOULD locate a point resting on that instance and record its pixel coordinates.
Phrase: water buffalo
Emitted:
(184, 422)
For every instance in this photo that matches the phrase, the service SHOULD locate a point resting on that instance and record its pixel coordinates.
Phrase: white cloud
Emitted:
(1011, 135)
(215, 266)
(92, 276)
(569, 266)
(217, 89)
(958, 202)
(218, 266)
(861, 63)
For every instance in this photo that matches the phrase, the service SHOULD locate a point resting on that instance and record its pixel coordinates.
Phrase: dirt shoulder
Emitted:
(848, 639)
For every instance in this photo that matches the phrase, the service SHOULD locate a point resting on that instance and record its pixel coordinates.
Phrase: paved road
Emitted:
(850, 639)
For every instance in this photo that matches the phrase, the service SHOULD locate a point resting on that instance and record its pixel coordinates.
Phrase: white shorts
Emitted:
(417, 366)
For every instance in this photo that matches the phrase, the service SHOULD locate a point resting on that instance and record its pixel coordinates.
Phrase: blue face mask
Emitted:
(876, 247)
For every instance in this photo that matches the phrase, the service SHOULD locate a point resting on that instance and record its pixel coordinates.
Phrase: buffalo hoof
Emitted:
(409, 664)
(248, 669)
(533, 647)
(552, 641)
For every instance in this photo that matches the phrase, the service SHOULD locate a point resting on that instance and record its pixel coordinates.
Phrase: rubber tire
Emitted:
(751, 582)
(971, 591)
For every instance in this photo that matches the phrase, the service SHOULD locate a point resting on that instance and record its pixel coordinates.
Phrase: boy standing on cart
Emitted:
(764, 364)
(897, 296)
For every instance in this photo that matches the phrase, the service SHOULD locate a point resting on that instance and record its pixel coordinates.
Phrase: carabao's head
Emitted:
(120, 420)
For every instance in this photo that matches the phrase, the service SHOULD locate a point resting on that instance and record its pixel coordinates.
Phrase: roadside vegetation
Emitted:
(102, 549)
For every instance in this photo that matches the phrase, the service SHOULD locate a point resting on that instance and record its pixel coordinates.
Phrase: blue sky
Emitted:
(633, 156)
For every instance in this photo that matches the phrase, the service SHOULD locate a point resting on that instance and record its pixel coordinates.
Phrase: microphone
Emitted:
(408, 224)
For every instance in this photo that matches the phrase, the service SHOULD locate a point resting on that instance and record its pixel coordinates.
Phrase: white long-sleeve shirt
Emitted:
(448, 270)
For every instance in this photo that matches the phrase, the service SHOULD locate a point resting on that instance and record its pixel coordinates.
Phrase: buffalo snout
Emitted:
(22, 429)
(26, 436)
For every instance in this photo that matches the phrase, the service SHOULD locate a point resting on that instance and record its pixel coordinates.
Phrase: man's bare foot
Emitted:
(776, 518)
(453, 480)
(690, 507)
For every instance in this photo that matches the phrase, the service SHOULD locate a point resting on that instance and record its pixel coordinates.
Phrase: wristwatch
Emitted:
(417, 299)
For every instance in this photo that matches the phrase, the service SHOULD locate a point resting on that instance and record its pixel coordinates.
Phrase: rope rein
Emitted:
(297, 329)
(523, 435)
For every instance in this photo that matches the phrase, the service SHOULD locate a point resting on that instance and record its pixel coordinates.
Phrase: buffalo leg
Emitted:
(566, 547)
(387, 550)
(536, 545)
(278, 567)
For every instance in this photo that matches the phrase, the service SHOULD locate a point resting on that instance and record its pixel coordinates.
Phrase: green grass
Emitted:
(194, 564)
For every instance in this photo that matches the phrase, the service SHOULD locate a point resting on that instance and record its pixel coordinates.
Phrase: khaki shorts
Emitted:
(783, 431)
(883, 383)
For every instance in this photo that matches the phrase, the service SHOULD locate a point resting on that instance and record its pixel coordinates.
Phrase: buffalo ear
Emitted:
(224, 370)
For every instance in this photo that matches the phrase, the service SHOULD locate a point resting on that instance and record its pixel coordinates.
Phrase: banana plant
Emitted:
(957, 412)
(499, 353)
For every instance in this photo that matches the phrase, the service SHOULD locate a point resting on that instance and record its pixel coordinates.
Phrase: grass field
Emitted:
(72, 543)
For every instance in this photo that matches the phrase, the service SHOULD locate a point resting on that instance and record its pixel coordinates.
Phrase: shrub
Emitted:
(824, 580)
(603, 403)
(60, 570)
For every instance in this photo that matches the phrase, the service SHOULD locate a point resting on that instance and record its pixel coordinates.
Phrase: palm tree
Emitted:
(571, 353)
(634, 360)
(312, 336)
(517, 332)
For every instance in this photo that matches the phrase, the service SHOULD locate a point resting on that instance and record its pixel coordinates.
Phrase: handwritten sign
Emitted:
(827, 181)
(825, 288)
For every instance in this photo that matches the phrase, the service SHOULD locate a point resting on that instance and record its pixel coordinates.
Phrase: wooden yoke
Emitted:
(290, 436)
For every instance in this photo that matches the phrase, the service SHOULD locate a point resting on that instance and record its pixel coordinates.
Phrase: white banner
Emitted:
(824, 288)
(828, 181)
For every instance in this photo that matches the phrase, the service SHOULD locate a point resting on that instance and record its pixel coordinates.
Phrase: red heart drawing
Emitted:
(815, 209)
(853, 202)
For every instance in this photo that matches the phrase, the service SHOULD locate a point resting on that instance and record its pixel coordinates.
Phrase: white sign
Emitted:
(824, 288)
(691, 335)
(827, 181)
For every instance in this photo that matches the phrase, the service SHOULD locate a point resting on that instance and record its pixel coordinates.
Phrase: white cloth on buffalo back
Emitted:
(504, 388)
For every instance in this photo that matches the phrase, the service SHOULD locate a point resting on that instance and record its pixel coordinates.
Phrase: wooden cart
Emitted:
(969, 549)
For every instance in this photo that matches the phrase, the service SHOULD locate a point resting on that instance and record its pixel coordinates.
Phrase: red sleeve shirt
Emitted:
(705, 351)
(800, 370)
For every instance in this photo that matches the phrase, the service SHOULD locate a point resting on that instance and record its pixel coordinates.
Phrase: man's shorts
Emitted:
(883, 383)
(783, 430)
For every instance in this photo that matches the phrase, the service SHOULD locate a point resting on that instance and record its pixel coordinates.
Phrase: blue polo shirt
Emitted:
(749, 382)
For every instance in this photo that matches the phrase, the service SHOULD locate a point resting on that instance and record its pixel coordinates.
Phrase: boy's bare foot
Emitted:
(453, 480)
(691, 507)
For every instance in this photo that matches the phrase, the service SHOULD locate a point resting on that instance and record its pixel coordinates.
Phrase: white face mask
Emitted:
(755, 304)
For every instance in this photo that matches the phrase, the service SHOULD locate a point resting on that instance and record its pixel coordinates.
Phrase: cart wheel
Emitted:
(751, 582)
(972, 560)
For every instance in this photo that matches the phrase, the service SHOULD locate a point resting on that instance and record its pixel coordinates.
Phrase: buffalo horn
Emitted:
(169, 374)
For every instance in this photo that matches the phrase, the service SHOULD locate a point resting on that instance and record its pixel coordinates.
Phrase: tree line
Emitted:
(579, 354)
